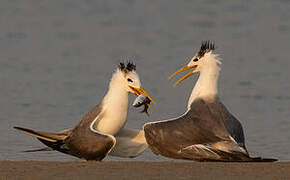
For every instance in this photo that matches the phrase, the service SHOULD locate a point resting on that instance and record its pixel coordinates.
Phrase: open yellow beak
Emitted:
(186, 76)
(139, 91)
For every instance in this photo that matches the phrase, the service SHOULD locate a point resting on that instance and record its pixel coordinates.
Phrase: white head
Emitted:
(203, 61)
(127, 79)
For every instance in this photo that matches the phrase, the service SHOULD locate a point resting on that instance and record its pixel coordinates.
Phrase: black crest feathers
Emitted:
(127, 68)
(206, 46)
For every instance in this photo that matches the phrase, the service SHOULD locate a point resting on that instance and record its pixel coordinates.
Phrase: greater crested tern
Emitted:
(207, 131)
(101, 131)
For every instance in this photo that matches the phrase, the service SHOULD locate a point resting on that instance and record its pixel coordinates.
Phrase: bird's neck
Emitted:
(206, 85)
(116, 97)
(114, 108)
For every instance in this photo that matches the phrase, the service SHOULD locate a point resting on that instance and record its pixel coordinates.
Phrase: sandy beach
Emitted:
(57, 58)
(141, 170)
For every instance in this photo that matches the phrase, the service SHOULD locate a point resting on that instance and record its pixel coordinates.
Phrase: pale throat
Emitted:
(206, 86)
(114, 109)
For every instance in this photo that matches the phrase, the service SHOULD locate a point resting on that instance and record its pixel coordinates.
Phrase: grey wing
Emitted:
(236, 130)
(194, 127)
(234, 127)
(207, 152)
(202, 125)
(54, 141)
(88, 143)
(77, 142)
(180, 139)
(169, 137)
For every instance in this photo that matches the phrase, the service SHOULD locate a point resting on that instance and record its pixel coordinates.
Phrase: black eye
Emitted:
(195, 59)
(129, 80)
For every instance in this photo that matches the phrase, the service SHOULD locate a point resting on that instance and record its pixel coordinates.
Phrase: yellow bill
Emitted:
(180, 70)
(186, 76)
(139, 91)
(149, 107)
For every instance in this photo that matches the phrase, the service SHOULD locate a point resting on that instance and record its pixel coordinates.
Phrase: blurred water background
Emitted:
(57, 57)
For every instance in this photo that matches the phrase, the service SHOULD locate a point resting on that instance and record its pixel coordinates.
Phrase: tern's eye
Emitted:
(195, 59)
(129, 80)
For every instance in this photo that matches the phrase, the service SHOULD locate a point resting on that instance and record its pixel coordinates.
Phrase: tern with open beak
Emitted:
(207, 131)
(101, 131)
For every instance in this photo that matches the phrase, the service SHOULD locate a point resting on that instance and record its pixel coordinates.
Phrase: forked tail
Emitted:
(259, 159)
(51, 137)
(41, 149)
(54, 141)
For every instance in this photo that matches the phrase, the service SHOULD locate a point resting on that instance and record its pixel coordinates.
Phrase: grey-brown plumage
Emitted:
(207, 131)
(200, 134)
(234, 127)
(79, 141)
(102, 130)
(87, 144)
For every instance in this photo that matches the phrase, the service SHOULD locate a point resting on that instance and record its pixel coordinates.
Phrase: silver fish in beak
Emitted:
(142, 100)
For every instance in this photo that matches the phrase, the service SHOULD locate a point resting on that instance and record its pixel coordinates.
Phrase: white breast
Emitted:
(112, 120)
(114, 112)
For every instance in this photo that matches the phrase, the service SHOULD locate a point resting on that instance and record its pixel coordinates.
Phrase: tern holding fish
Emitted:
(142, 100)
(207, 131)
(101, 131)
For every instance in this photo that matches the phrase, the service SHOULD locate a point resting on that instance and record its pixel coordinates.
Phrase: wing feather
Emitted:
(202, 124)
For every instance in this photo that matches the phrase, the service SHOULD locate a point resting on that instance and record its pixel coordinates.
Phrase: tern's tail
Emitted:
(259, 159)
(41, 149)
(54, 141)
(51, 137)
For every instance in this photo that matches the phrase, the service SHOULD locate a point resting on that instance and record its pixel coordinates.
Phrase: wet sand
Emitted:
(141, 170)
(57, 58)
